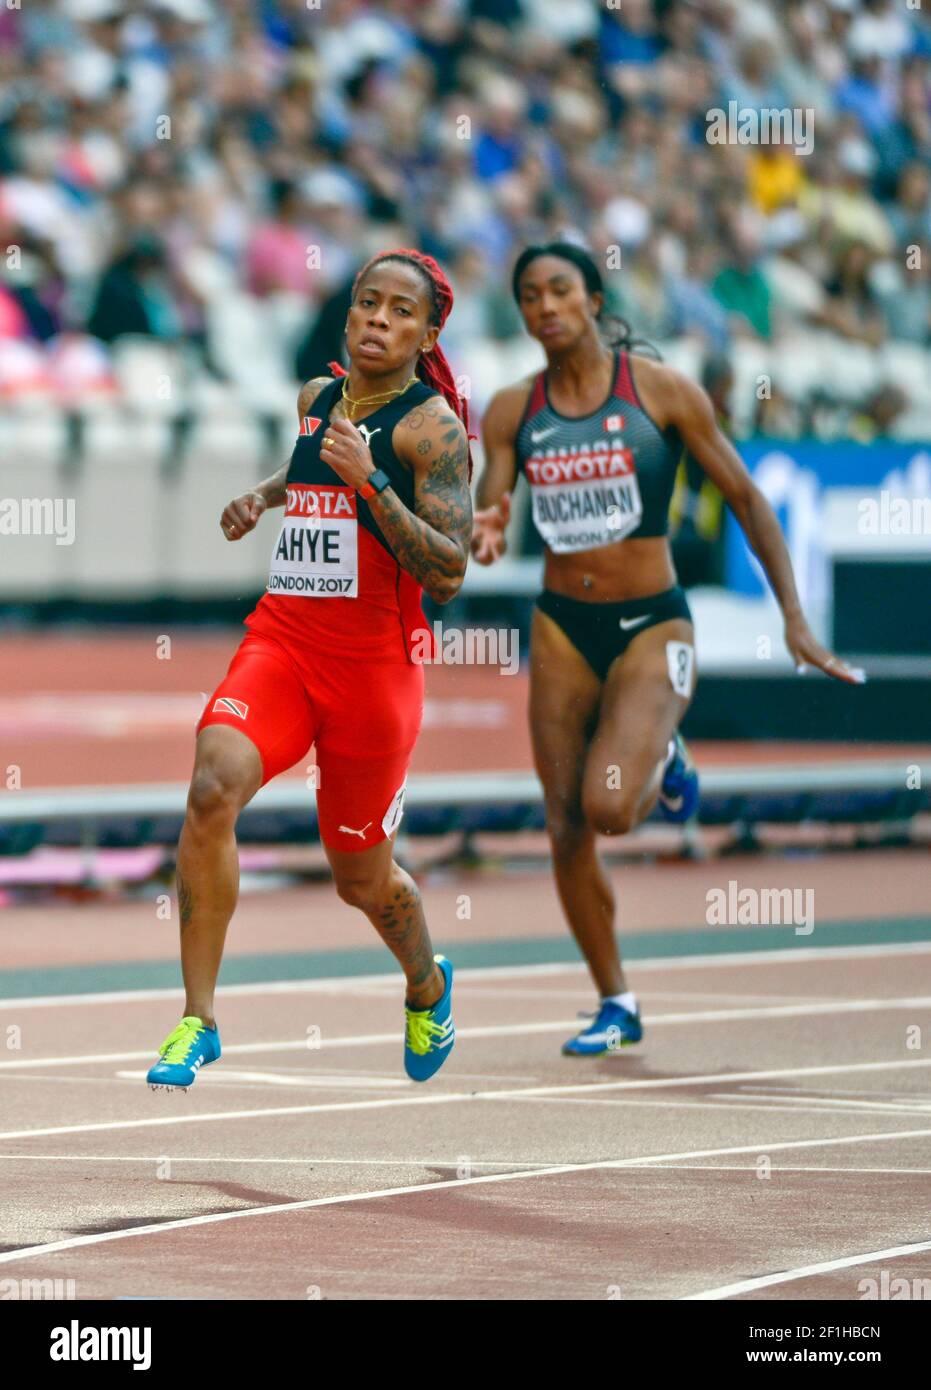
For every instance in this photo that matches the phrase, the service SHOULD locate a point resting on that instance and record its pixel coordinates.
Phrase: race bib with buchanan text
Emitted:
(584, 497)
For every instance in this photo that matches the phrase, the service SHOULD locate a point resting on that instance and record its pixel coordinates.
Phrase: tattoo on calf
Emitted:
(185, 902)
(404, 930)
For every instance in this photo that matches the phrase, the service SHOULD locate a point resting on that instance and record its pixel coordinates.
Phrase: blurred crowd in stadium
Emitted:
(209, 175)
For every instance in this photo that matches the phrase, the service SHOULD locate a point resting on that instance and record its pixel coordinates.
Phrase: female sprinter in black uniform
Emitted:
(599, 435)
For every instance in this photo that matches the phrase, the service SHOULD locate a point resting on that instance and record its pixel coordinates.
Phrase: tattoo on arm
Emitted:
(432, 542)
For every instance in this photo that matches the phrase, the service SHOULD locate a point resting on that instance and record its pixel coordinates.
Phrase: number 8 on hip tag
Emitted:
(680, 658)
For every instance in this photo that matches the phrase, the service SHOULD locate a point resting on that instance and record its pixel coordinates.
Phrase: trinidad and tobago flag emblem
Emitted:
(226, 705)
(309, 423)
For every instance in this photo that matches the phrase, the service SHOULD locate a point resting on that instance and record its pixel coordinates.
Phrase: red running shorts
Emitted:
(362, 716)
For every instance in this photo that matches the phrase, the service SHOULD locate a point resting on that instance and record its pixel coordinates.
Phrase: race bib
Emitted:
(317, 552)
(585, 498)
(392, 817)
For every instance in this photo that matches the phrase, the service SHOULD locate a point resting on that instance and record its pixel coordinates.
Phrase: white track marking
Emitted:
(232, 1076)
(783, 1168)
(548, 993)
(340, 984)
(557, 1170)
(446, 1162)
(505, 1030)
(333, 1081)
(819, 1092)
(332, 984)
(789, 1276)
(456, 1097)
(720, 1104)
(828, 1102)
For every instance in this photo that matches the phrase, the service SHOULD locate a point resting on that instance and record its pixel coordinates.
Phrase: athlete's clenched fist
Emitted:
(345, 449)
(241, 515)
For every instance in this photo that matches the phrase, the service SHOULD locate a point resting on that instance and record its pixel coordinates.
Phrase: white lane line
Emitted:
(791, 1168)
(331, 984)
(449, 1161)
(557, 1170)
(455, 1097)
(827, 1103)
(720, 1104)
(819, 1092)
(446, 1162)
(506, 1030)
(232, 1077)
(730, 1104)
(789, 1276)
(341, 984)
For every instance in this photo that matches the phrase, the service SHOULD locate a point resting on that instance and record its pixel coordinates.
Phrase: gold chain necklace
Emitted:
(382, 398)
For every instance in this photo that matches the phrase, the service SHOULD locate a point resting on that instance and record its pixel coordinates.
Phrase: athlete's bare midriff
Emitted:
(612, 573)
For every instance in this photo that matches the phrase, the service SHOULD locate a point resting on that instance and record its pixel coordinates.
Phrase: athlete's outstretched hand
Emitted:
(241, 515)
(488, 527)
(806, 651)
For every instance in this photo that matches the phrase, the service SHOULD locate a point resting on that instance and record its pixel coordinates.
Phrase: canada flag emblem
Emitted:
(310, 423)
(613, 423)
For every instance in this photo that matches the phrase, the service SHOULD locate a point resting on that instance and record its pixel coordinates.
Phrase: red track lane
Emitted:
(106, 709)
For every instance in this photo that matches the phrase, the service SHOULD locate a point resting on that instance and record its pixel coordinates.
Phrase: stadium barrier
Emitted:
(464, 803)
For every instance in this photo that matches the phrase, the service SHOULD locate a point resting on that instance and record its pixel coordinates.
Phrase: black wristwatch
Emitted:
(375, 482)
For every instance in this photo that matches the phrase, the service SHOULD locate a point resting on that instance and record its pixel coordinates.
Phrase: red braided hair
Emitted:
(432, 367)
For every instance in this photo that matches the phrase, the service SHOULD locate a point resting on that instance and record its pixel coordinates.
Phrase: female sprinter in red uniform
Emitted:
(599, 435)
(377, 507)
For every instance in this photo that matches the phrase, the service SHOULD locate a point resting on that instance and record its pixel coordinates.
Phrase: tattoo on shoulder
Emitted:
(310, 391)
(433, 409)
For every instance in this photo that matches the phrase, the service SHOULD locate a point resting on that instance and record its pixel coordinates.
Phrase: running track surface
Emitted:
(90, 710)
(771, 1137)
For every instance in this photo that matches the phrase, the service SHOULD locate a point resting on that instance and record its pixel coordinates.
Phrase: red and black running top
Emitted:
(334, 582)
(598, 478)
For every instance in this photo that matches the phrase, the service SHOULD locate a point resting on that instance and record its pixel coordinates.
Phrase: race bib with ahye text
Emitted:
(317, 552)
